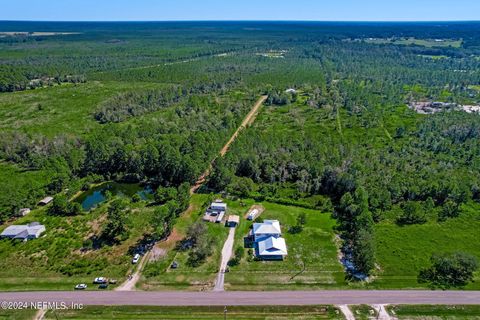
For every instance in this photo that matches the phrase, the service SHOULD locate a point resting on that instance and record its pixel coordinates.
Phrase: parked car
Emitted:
(103, 286)
(135, 258)
(81, 286)
(100, 280)
(112, 281)
(174, 265)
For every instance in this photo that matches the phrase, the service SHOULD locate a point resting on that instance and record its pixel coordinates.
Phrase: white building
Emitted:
(45, 201)
(272, 248)
(24, 232)
(269, 244)
(269, 228)
(291, 90)
(23, 212)
(218, 206)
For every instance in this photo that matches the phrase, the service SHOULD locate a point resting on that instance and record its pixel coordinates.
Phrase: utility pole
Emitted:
(225, 313)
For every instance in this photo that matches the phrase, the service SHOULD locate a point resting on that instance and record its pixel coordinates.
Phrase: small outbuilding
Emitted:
(218, 205)
(24, 232)
(233, 221)
(45, 201)
(291, 90)
(23, 212)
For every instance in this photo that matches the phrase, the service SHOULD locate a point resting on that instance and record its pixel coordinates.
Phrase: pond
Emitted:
(96, 195)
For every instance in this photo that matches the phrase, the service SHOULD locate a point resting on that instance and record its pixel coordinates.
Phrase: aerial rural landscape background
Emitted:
(195, 160)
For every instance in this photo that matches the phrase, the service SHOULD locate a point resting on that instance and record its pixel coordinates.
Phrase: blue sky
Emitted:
(158, 10)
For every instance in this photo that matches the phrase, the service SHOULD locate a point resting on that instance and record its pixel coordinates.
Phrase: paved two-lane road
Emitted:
(235, 298)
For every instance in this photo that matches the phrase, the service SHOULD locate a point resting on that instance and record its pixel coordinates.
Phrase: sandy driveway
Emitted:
(131, 283)
(346, 312)
(226, 255)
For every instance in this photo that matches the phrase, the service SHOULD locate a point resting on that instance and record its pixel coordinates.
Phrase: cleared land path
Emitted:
(247, 121)
(248, 298)
(226, 255)
(130, 284)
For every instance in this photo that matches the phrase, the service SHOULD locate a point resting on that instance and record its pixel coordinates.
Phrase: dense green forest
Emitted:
(163, 98)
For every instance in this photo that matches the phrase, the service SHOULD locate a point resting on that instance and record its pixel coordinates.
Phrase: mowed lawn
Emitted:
(59, 110)
(419, 312)
(311, 263)
(403, 251)
(159, 276)
(237, 312)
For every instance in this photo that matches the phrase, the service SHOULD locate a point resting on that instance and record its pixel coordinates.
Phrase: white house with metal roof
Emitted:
(272, 248)
(268, 241)
(269, 228)
(24, 232)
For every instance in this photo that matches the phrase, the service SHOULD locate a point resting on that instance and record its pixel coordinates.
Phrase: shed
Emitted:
(23, 212)
(252, 215)
(291, 90)
(233, 221)
(45, 201)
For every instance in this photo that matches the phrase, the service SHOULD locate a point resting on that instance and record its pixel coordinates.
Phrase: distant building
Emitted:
(24, 232)
(233, 221)
(291, 90)
(45, 201)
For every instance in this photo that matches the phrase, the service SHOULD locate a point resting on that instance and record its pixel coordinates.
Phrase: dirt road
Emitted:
(347, 313)
(131, 283)
(237, 298)
(226, 255)
(247, 121)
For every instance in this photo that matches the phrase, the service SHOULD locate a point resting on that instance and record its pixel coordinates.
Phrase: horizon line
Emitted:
(243, 20)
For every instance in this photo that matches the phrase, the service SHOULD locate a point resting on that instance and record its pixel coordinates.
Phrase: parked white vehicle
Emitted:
(81, 286)
(136, 258)
(100, 280)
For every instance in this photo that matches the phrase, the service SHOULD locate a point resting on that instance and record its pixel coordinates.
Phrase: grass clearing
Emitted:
(24, 314)
(403, 251)
(312, 254)
(429, 43)
(363, 312)
(237, 312)
(65, 109)
(435, 312)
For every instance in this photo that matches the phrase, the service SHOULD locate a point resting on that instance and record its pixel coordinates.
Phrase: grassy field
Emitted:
(251, 313)
(66, 109)
(403, 251)
(56, 261)
(429, 43)
(421, 312)
(18, 183)
(363, 312)
(159, 275)
(312, 254)
(25, 314)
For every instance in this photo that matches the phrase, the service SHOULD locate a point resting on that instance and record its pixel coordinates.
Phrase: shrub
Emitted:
(449, 270)
(412, 214)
